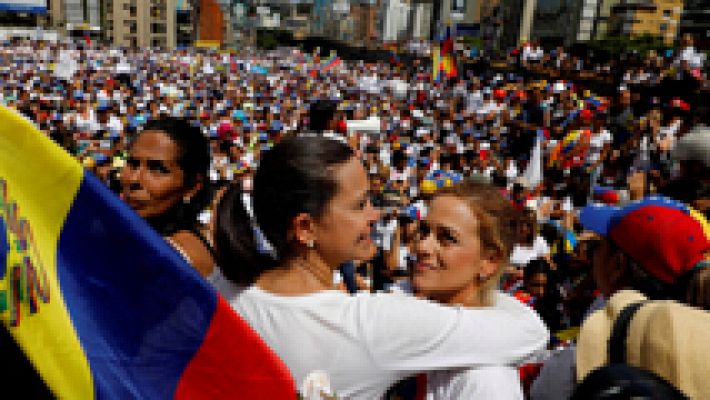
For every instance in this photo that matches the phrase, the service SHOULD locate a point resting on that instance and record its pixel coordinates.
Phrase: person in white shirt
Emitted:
(461, 250)
(688, 54)
(311, 203)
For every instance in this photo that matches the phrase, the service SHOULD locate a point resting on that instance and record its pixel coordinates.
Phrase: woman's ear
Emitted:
(490, 263)
(196, 187)
(302, 227)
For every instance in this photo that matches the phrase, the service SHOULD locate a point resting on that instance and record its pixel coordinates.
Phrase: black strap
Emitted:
(204, 241)
(620, 331)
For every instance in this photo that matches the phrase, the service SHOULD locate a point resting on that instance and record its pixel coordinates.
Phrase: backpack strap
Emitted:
(620, 331)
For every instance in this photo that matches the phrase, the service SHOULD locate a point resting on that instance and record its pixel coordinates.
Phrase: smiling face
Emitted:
(152, 180)
(343, 232)
(451, 260)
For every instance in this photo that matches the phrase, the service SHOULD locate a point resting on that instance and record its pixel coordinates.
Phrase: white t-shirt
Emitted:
(596, 144)
(491, 382)
(694, 59)
(367, 342)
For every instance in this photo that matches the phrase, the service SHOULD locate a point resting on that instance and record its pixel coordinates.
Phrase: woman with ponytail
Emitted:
(311, 212)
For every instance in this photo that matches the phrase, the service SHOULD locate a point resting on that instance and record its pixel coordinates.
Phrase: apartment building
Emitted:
(364, 14)
(648, 17)
(142, 23)
(696, 21)
(76, 15)
(20, 19)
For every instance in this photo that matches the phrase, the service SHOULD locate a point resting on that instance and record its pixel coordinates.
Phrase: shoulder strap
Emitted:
(620, 331)
(204, 241)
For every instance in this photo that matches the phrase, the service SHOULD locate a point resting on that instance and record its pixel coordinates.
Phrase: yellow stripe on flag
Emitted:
(40, 183)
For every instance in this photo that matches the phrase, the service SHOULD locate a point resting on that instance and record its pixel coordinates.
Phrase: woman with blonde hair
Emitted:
(461, 250)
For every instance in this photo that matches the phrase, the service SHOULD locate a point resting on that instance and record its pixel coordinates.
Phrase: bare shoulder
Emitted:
(194, 250)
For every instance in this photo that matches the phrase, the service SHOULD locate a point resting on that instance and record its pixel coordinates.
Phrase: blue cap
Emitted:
(601, 219)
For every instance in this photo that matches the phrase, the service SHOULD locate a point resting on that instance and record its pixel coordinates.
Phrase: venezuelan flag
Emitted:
(331, 63)
(99, 303)
(449, 66)
(565, 146)
(436, 64)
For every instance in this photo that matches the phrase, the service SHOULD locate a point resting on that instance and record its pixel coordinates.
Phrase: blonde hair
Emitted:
(499, 227)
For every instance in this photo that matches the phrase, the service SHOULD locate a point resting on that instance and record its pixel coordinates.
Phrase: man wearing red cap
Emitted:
(656, 246)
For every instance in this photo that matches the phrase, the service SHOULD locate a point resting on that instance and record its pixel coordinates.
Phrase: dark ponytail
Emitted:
(241, 262)
(294, 177)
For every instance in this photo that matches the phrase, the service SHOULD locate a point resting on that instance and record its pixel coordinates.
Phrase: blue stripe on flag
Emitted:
(140, 311)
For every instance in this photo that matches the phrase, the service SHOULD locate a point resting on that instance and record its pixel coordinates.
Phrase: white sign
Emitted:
(123, 67)
(341, 7)
(207, 68)
(399, 88)
(371, 124)
(66, 67)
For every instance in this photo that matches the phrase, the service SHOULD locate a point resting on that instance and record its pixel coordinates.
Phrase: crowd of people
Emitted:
(297, 187)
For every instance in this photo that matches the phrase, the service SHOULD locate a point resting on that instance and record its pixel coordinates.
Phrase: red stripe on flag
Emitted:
(233, 362)
(421, 380)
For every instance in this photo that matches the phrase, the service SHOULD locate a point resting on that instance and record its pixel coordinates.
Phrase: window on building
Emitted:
(131, 25)
(158, 28)
(666, 13)
(663, 27)
(157, 12)
(303, 8)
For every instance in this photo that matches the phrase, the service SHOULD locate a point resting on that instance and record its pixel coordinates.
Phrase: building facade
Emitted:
(696, 21)
(142, 23)
(77, 18)
(20, 19)
(660, 18)
(563, 22)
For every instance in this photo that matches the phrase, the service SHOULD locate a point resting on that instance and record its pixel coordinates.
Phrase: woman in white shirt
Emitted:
(461, 250)
(310, 201)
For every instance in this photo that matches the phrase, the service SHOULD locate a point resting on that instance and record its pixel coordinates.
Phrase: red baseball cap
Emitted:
(665, 237)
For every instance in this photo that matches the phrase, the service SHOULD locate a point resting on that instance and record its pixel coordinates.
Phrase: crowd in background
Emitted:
(551, 147)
